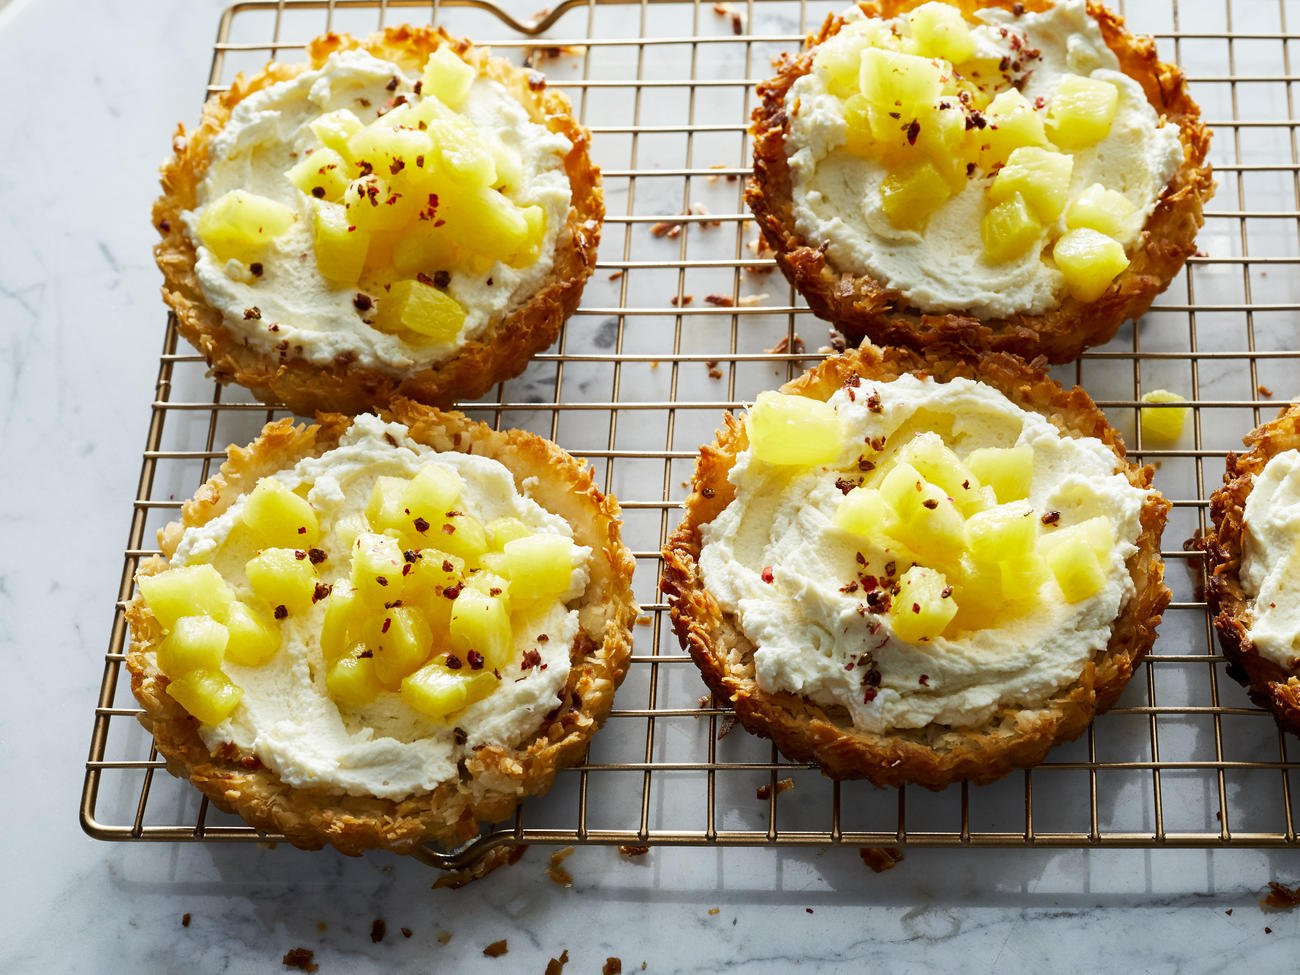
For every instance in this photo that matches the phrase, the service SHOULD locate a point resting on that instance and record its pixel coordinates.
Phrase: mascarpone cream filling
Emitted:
(302, 314)
(1270, 563)
(386, 748)
(808, 631)
(837, 199)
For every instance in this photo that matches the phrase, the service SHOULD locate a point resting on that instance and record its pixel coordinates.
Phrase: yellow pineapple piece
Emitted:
(893, 81)
(1012, 123)
(863, 129)
(420, 308)
(793, 430)
(322, 174)
(283, 577)
(386, 507)
(1040, 176)
(335, 128)
(978, 589)
(539, 565)
(490, 225)
(1007, 532)
(209, 695)
(481, 622)
(372, 205)
(1023, 578)
(340, 247)
(1076, 568)
(389, 149)
(1089, 261)
(438, 691)
(923, 606)
(864, 512)
(1081, 112)
(377, 562)
(534, 236)
(1163, 424)
(195, 642)
(239, 225)
(504, 530)
(401, 641)
(340, 627)
(447, 77)
(1008, 470)
(254, 637)
(940, 466)
(943, 138)
(1105, 211)
(939, 31)
(510, 167)
(280, 518)
(908, 198)
(186, 590)
(1009, 230)
(431, 585)
(929, 522)
(433, 491)
(838, 66)
(351, 679)
(460, 534)
(462, 154)
(1097, 533)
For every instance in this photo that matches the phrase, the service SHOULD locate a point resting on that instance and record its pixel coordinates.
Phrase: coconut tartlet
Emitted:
(403, 215)
(383, 630)
(1024, 177)
(918, 570)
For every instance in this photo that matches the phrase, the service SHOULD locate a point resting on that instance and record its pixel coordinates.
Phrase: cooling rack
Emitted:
(684, 319)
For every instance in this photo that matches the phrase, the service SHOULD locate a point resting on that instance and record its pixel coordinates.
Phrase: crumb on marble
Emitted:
(765, 791)
(612, 966)
(301, 959)
(631, 851)
(557, 872)
(880, 858)
(406, 932)
(1264, 390)
(727, 726)
(185, 920)
(496, 949)
(444, 937)
(643, 620)
(715, 910)
(1281, 897)
(498, 856)
(556, 965)
(378, 928)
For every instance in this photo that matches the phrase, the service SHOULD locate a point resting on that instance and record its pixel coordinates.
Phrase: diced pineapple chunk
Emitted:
(447, 77)
(1009, 230)
(335, 128)
(433, 575)
(421, 308)
(923, 606)
(1023, 578)
(254, 637)
(239, 225)
(863, 126)
(340, 626)
(1089, 261)
(793, 430)
(539, 565)
(908, 198)
(929, 520)
(389, 148)
(865, 513)
(838, 67)
(505, 530)
(351, 679)
(401, 642)
(1012, 123)
(280, 518)
(460, 534)
(1008, 531)
(481, 622)
(1097, 533)
(186, 590)
(891, 80)
(979, 593)
(1041, 176)
(322, 175)
(372, 205)
(209, 695)
(1081, 111)
(195, 642)
(462, 154)
(1163, 424)
(377, 562)
(387, 505)
(340, 247)
(939, 465)
(433, 491)
(490, 225)
(1105, 211)
(1008, 470)
(437, 691)
(939, 31)
(1076, 568)
(283, 577)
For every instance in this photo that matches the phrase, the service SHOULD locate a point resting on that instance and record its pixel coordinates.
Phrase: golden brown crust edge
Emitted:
(862, 306)
(501, 352)
(934, 756)
(1270, 686)
(499, 778)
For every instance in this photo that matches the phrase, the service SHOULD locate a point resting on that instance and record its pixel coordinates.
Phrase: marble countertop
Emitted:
(99, 87)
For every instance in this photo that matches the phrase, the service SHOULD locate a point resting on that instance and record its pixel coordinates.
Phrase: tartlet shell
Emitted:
(1270, 685)
(862, 306)
(501, 351)
(933, 756)
(496, 778)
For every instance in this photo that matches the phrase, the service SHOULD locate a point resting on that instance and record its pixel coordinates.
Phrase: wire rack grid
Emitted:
(684, 319)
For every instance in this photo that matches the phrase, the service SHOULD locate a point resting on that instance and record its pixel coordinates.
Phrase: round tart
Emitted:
(918, 570)
(1251, 563)
(1022, 179)
(402, 216)
(381, 631)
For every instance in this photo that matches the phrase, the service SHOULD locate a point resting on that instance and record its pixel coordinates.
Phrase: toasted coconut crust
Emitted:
(1270, 685)
(861, 306)
(935, 755)
(501, 351)
(496, 778)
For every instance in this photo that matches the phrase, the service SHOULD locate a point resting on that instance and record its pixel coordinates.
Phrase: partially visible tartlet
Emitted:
(918, 570)
(1044, 186)
(383, 630)
(1252, 564)
(402, 216)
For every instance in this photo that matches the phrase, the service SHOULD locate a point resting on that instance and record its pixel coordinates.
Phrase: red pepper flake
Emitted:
(165, 226)
(868, 695)
(945, 592)
(679, 301)
(381, 580)
(873, 403)
(419, 161)
(451, 592)
(388, 621)
(707, 492)
(362, 302)
(421, 525)
(406, 932)
(453, 662)
(392, 85)
(255, 269)
(441, 279)
(878, 601)
(913, 130)
(475, 660)
(378, 928)
(419, 86)
(459, 736)
(396, 166)
(865, 465)
(281, 611)
(320, 592)
(252, 314)
(301, 959)
(851, 587)
(410, 556)
(1017, 9)
(542, 638)
(185, 920)
(496, 949)
(299, 554)
(930, 503)
(530, 659)
(890, 568)
(1051, 518)
(845, 485)
(862, 559)
(766, 574)
(448, 529)
(447, 566)
(365, 654)
(924, 680)
(916, 608)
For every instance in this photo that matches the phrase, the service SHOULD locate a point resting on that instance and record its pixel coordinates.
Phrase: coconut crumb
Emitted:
(556, 872)
(496, 949)
(880, 858)
(1281, 897)
(765, 791)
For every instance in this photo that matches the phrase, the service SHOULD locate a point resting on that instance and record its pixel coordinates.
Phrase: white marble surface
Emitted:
(94, 91)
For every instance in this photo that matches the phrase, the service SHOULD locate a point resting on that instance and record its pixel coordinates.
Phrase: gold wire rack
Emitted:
(683, 320)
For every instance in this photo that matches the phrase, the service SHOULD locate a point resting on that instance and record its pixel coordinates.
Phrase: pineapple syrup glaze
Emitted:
(942, 269)
(385, 748)
(775, 559)
(270, 130)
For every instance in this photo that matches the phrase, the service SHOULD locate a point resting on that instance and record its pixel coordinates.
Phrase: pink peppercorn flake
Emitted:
(766, 574)
(281, 611)
(453, 661)
(924, 680)
(388, 621)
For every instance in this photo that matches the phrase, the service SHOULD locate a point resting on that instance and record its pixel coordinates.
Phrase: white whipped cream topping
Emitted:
(1270, 563)
(808, 631)
(837, 199)
(386, 748)
(270, 130)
